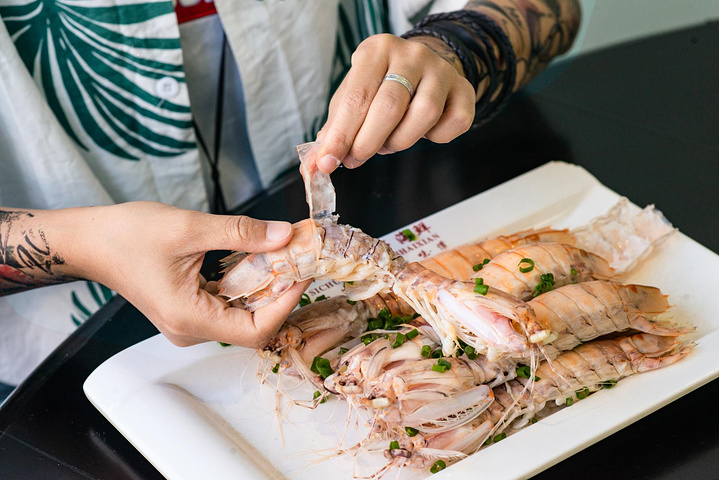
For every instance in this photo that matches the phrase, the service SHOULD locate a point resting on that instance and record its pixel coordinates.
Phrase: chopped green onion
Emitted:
(488, 441)
(480, 287)
(351, 302)
(276, 368)
(409, 235)
(398, 340)
(533, 421)
(529, 262)
(573, 271)
(523, 371)
(439, 465)
(480, 266)
(305, 300)
(384, 314)
(321, 297)
(394, 445)
(343, 350)
(411, 334)
(426, 351)
(317, 395)
(470, 352)
(367, 339)
(411, 432)
(583, 393)
(439, 368)
(545, 285)
(500, 437)
(536, 379)
(608, 384)
(569, 402)
(322, 367)
(350, 283)
(437, 353)
(223, 344)
(375, 324)
(444, 363)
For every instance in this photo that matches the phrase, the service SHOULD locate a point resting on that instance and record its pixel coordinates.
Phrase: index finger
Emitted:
(348, 110)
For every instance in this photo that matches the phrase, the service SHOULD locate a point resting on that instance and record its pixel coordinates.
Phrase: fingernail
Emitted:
(351, 162)
(384, 151)
(328, 163)
(277, 231)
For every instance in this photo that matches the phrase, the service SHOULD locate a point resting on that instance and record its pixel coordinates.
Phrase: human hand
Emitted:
(151, 254)
(368, 115)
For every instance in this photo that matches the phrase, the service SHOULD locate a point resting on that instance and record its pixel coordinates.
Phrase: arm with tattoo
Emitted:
(27, 258)
(538, 31)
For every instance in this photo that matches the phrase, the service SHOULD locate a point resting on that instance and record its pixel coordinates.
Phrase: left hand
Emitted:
(368, 115)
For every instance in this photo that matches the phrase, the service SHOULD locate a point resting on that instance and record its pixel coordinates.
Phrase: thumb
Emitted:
(241, 233)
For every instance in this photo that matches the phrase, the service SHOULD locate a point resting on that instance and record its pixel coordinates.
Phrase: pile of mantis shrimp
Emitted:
(451, 354)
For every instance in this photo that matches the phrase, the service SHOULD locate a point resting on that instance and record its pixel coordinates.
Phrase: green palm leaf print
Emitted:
(98, 63)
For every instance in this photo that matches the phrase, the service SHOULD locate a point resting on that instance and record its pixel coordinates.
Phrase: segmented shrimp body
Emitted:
(582, 312)
(320, 249)
(586, 368)
(566, 263)
(459, 263)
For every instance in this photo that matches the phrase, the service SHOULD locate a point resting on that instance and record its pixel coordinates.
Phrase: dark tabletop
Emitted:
(642, 117)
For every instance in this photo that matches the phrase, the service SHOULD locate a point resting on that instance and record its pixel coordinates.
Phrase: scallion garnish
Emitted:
(276, 368)
(439, 465)
(351, 302)
(573, 271)
(437, 353)
(583, 393)
(569, 402)
(500, 437)
(409, 235)
(394, 445)
(305, 300)
(411, 432)
(426, 351)
(317, 395)
(523, 372)
(444, 363)
(321, 297)
(530, 265)
(470, 352)
(375, 324)
(480, 287)
(545, 285)
(608, 384)
(411, 334)
(343, 350)
(439, 368)
(321, 366)
(398, 340)
(533, 420)
(223, 344)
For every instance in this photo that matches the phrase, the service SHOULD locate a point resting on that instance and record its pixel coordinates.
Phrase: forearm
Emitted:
(538, 31)
(39, 247)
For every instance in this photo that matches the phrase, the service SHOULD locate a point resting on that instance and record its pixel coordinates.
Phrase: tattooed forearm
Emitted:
(26, 258)
(539, 30)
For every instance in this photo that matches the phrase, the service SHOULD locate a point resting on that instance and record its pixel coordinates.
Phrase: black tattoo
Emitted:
(26, 260)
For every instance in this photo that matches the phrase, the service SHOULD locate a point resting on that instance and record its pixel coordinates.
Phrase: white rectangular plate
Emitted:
(201, 412)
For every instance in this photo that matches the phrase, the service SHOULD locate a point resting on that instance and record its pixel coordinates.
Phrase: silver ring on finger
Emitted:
(403, 81)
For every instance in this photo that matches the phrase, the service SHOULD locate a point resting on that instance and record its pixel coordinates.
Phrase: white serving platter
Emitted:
(201, 412)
